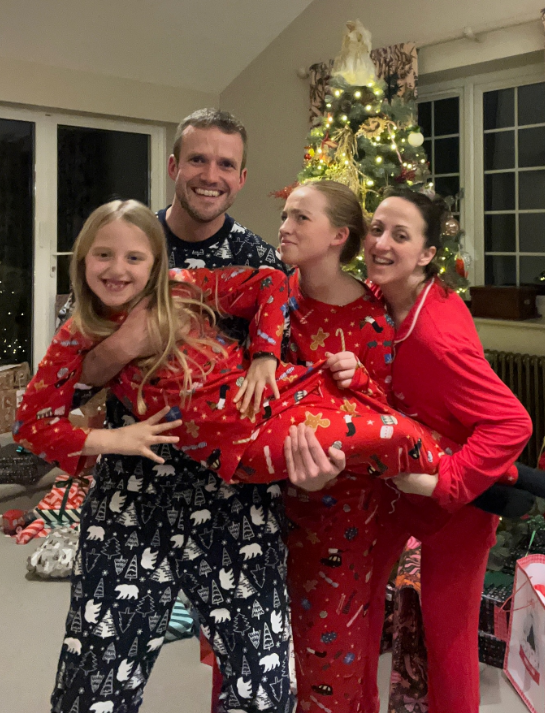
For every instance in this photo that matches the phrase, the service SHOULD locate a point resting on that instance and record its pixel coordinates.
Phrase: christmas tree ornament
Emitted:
(462, 262)
(354, 64)
(416, 139)
(451, 226)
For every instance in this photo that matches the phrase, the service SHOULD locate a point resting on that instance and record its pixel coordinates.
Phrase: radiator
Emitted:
(524, 374)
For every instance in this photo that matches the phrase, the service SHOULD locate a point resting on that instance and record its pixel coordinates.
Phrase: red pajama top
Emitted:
(441, 377)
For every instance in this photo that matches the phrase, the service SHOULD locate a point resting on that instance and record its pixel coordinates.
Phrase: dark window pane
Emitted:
(500, 233)
(428, 150)
(446, 114)
(500, 270)
(424, 117)
(16, 239)
(447, 185)
(499, 150)
(63, 274)
(94, 167)
(499, 191)
(499, 109)
(532, 232)
(447, 155)
(532, 147)
(531, 269)
(531, 190)
(531, 104)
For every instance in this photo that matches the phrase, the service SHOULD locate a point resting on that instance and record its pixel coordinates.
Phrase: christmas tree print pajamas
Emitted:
(238, 552)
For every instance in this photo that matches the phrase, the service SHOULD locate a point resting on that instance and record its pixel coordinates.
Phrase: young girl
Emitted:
(197, 374)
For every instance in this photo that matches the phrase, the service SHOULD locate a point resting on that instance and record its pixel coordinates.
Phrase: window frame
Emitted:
(45, 201)
(471, 90)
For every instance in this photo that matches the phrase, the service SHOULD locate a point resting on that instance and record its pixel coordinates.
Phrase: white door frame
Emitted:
(45, 202)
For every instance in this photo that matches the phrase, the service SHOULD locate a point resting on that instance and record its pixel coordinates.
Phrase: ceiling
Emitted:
(197, 44)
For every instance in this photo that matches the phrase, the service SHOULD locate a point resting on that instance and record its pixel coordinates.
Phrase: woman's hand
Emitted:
(134, 440)
(262, 371)
(343, 367)
(308, 465)
(416, 483)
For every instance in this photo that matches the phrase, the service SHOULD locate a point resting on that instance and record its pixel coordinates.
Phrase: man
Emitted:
(221, 544)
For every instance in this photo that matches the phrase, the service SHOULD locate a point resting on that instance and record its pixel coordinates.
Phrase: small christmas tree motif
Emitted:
(75, 706)
(276, 600)
(132, 540)
(163, 573)
(246, 670)
(172, 514)
(220, 520)
(229, 639)
(78, 590)
(152, 621)
(108, 687)
(219, 646)
(137, 678)
(163, 625)
(133, 651)
(234, 530)
(255, 637)
(147, 511)
(111, 548)
(96, 679)
(101, 512)
(247, 532)
(258, 573)
(263, 701)
(128, 517)
(240, 624)
(91, 559)
(256, 497)
(217, 597)
(271, 558)
(106, 627)
(132, 569)
(166, 596)
(245, 588)
(204, 594)
(257, 610)
(187, 496)
(272, 524)
(89, 662)
(207, 537)
(199, 497)
(228, 669)
(191, 550)
(99, 590)
(181, 525)
(236, 506)
(156, 541)
(233, 701)
(110, 653)
(225, 560)
(75, 626)
(146, 605)
(268, 642)
(204, 568)
(124, 618)
(276, 687)
(119, 564)
(118, 468)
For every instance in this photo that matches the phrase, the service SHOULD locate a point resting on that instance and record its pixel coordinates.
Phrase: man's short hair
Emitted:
(208, 119)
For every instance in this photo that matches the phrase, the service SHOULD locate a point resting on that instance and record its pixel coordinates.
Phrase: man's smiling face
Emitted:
(208, 174)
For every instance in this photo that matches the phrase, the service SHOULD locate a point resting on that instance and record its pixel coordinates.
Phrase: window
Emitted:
(54, 170)
(440, 123)
(514, 184)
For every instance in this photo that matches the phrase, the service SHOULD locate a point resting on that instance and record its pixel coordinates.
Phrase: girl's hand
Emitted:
(343, 367)
(262, 371)
(134, 440)
(416, 483)
(308, 465)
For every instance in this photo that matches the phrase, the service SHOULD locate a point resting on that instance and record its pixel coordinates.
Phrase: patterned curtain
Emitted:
(397, 65)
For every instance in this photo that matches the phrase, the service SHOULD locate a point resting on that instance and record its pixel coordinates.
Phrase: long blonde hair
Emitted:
(171, 319)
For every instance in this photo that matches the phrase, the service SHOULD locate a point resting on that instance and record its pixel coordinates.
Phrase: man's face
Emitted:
(208, 173)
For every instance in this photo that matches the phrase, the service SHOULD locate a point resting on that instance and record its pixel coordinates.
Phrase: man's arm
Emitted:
(129, 342)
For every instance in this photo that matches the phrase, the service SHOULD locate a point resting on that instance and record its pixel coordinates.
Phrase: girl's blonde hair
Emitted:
(171, 319)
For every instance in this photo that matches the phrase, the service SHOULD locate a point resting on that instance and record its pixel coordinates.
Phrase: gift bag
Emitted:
(525, 657)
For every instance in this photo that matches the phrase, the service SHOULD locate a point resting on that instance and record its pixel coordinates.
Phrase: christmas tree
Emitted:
(368, 138)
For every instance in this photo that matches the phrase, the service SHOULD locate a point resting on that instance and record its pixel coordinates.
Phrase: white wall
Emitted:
(273, 102)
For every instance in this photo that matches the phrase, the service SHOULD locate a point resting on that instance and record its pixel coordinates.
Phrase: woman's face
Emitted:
(119, 263)
(306, 234)
(395, 243)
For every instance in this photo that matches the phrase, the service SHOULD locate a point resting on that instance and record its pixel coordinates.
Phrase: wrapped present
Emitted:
(13, 381)
(18, 466)
(491, 650)
(55, 556)
(13, 521)
(497, 590)
(14, 376)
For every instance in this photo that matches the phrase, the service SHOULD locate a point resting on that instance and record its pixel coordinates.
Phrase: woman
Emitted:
(437, 352)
